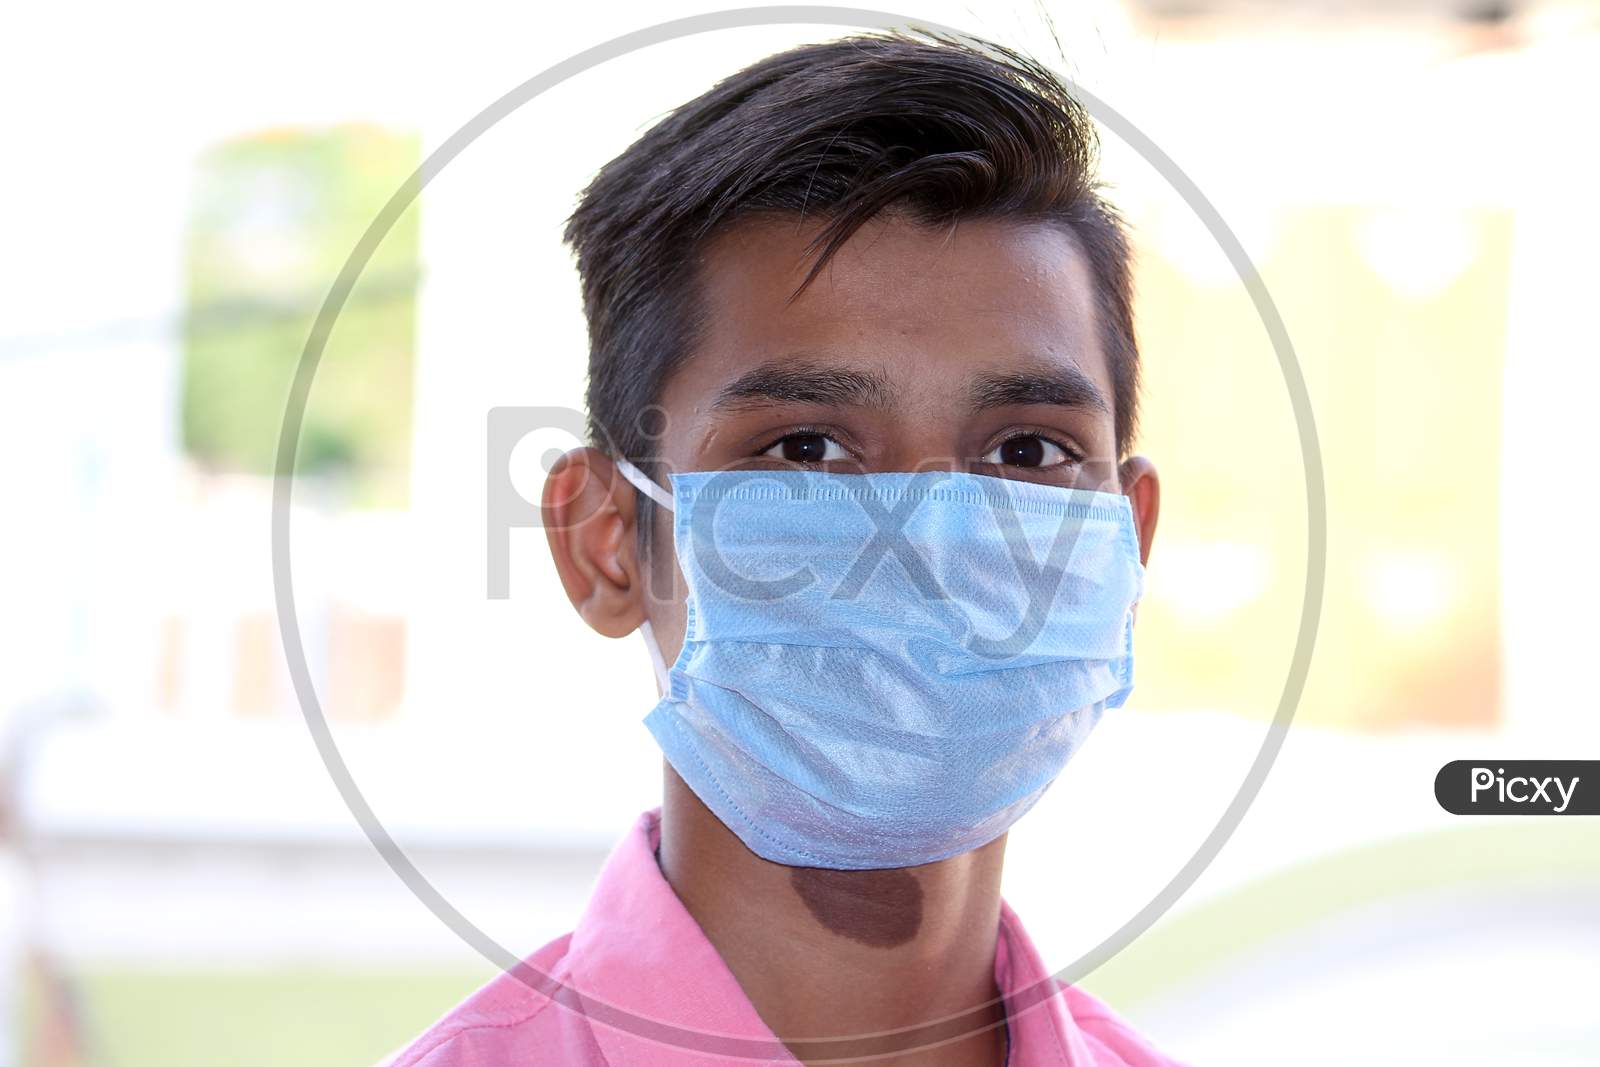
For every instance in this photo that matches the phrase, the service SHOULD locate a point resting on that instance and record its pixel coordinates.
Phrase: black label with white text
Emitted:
(1519, 787)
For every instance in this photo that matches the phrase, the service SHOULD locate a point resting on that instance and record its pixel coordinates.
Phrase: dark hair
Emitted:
(940, 127)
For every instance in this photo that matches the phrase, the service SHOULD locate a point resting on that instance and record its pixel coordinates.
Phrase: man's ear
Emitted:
(1142, 486)
(588, 511)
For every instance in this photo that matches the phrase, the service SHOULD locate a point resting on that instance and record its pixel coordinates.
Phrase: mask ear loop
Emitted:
(640, 481)
(656, 661)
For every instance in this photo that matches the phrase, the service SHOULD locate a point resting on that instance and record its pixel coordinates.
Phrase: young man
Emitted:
(861, 321)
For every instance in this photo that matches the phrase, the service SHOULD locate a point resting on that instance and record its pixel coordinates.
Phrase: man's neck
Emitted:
(825, 955)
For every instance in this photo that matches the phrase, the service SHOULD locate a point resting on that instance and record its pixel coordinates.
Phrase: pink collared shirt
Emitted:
(637, 981)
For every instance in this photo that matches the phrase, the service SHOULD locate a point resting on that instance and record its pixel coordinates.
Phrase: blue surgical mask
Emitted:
(885, 670)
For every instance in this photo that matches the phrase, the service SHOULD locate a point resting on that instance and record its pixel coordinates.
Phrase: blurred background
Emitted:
(180, 882)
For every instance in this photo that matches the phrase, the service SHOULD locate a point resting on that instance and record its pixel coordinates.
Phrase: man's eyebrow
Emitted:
(1064, 386)
(790, 382)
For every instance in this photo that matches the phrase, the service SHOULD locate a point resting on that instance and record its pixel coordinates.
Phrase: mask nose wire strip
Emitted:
(639, 481)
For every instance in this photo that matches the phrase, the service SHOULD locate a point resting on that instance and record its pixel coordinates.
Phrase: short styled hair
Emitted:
(939, 127)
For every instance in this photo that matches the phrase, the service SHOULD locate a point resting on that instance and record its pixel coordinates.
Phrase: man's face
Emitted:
(973, 348)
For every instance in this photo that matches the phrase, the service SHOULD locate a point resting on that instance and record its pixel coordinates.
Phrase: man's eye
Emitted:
(1027, 450)
(807, 448)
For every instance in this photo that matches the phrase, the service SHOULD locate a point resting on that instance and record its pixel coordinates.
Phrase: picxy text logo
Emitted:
(1519, 787)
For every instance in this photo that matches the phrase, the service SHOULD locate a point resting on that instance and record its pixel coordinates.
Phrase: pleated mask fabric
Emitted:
(888, 669)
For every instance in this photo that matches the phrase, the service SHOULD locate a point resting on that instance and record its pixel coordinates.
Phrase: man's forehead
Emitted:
(969, 298)
(895, 263)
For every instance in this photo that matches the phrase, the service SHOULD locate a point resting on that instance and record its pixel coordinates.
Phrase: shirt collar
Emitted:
(638, 951)
(1042, 1029)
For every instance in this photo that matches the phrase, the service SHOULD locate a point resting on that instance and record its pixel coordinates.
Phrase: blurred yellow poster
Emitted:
(1398, 322)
